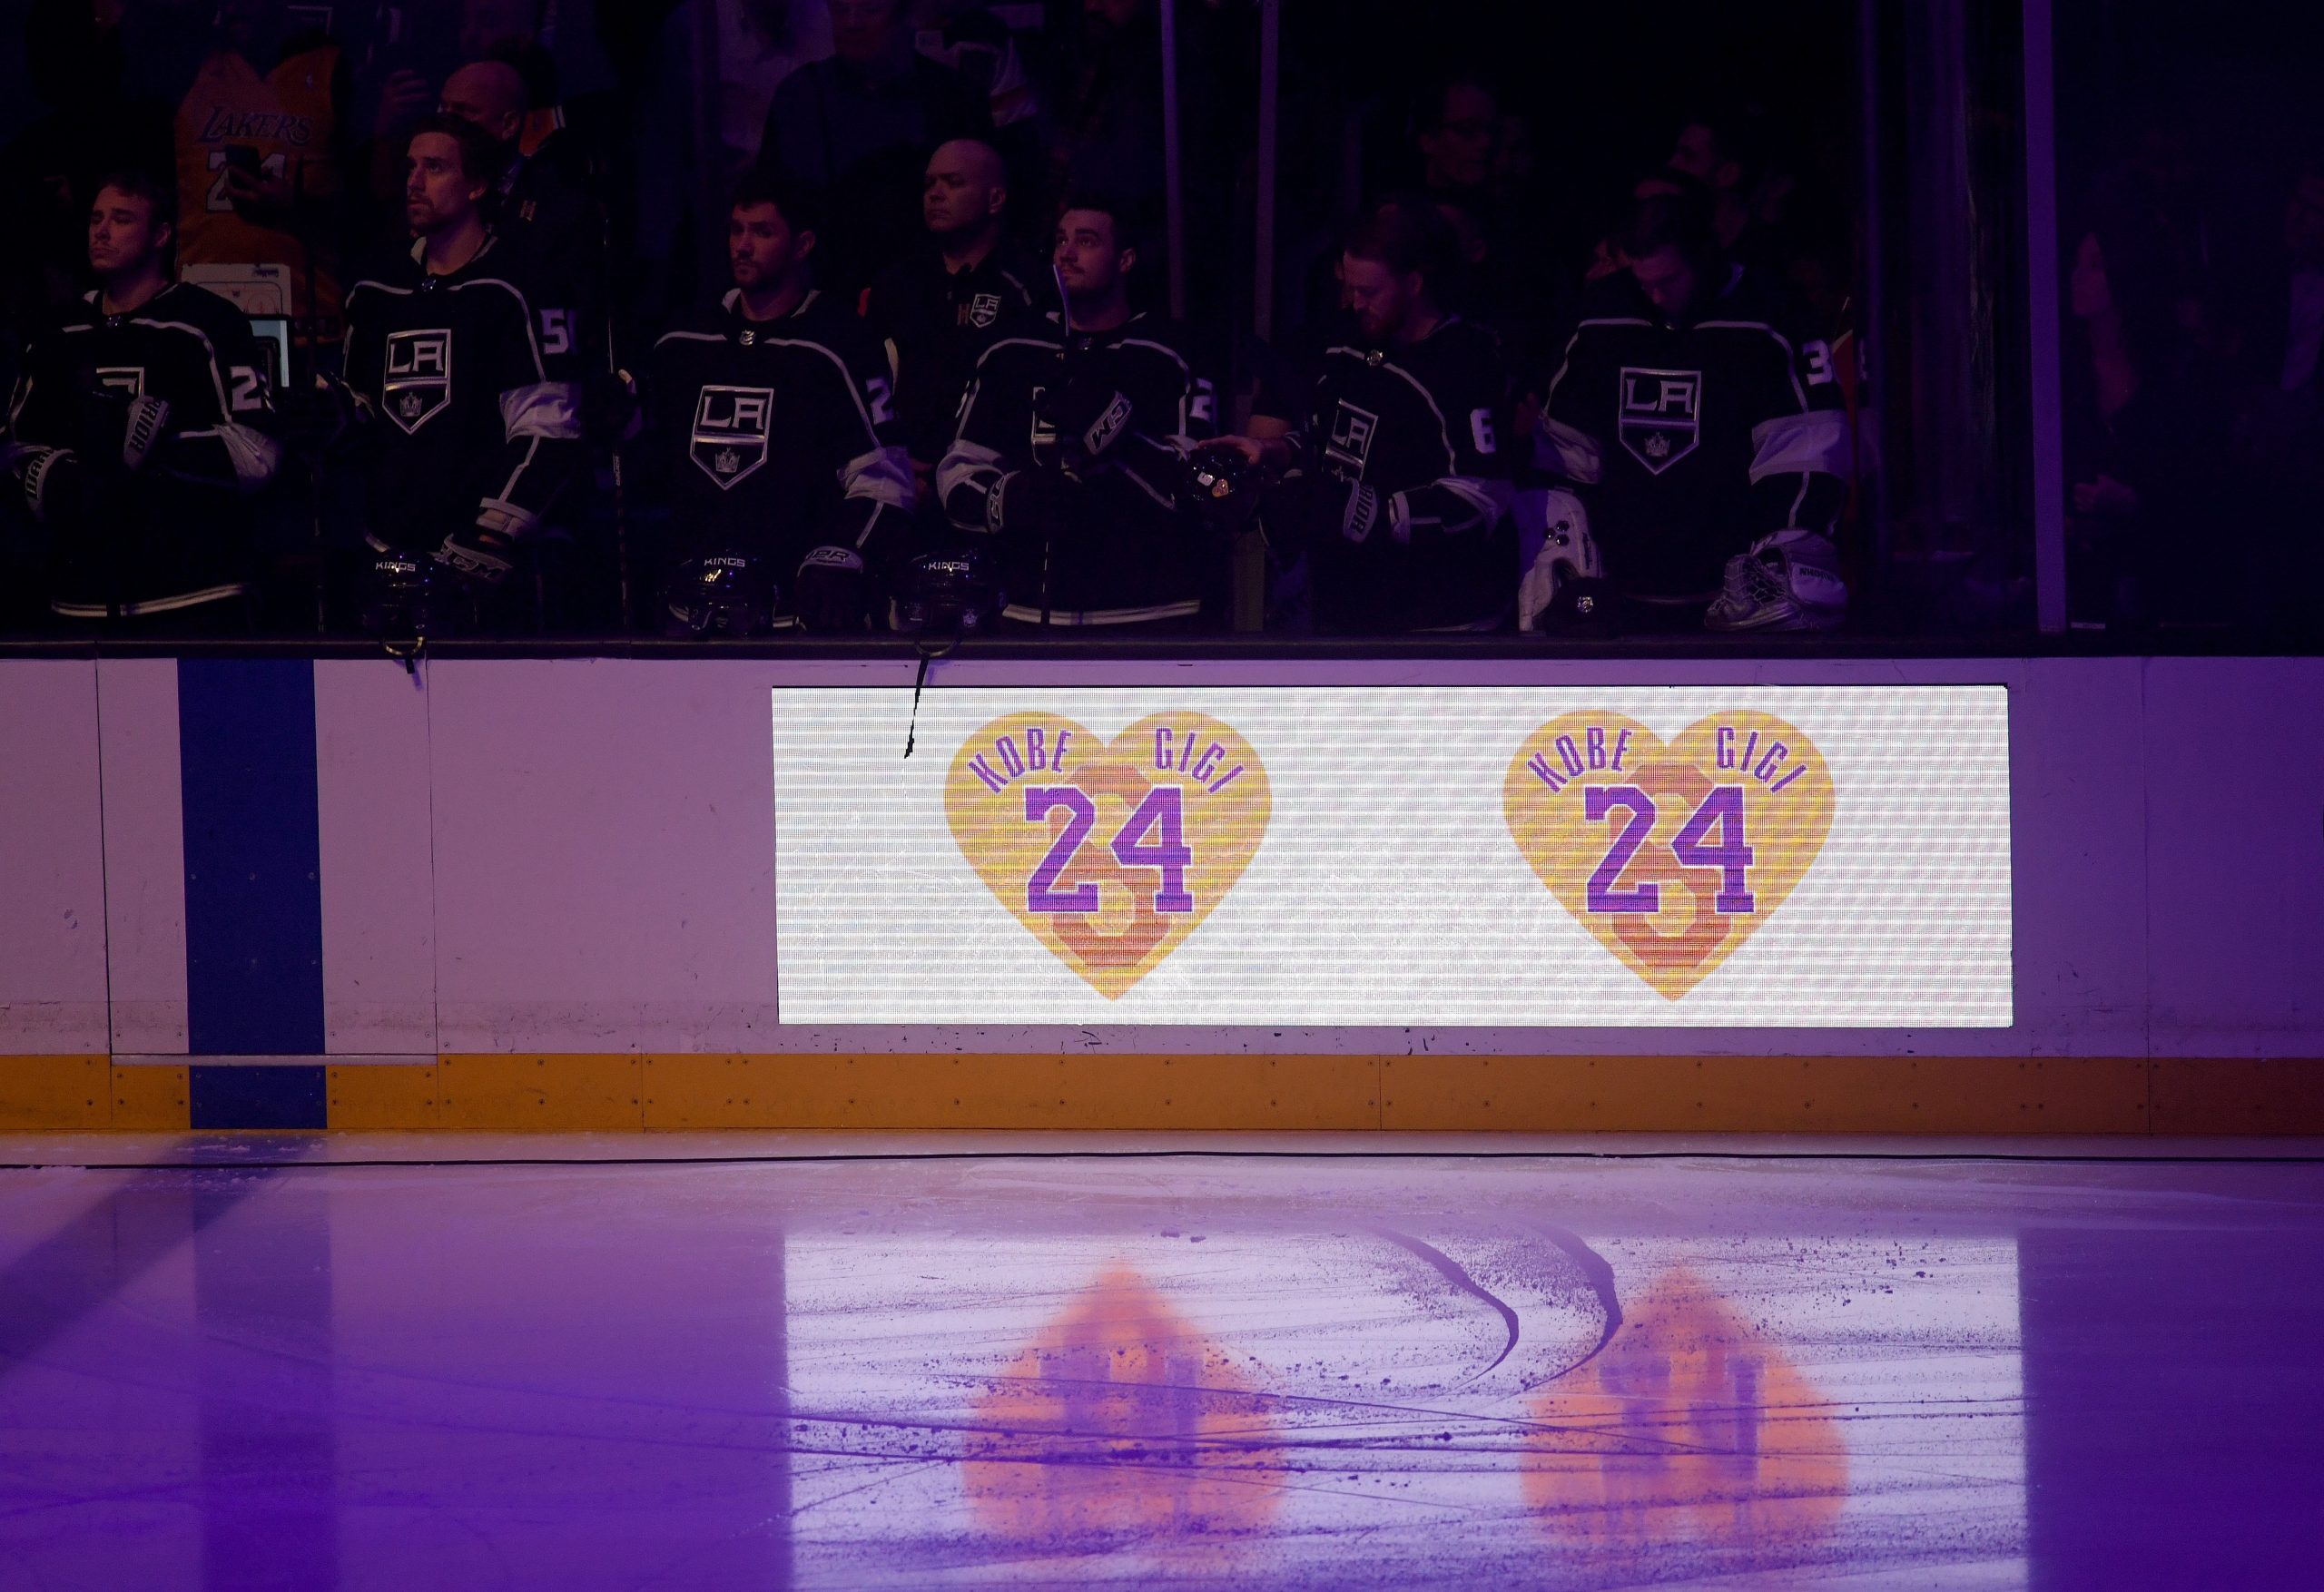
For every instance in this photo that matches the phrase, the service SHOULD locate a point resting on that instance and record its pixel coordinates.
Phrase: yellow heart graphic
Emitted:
(1111, 853)
(1672, 855)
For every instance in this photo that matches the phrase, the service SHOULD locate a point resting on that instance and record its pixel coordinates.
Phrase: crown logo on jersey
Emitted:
(726, 461)
(1658, 446)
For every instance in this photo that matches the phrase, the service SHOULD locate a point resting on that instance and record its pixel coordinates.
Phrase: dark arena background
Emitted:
(1161, 793)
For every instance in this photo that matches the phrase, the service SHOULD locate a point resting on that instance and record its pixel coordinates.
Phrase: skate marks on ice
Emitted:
(1353, 1406)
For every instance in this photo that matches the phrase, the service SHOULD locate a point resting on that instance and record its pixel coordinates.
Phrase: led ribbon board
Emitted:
(1714, 856)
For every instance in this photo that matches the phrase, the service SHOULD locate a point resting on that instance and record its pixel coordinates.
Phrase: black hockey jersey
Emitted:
(935, 323)
(1414, 424)
(172, 533)
(777, 437)
(474, 421)
(1124, 549)
(1689, 443)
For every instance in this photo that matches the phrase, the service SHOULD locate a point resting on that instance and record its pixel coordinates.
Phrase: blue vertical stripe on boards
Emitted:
(253, 891)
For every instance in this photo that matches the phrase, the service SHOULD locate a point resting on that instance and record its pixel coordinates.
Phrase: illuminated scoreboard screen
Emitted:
(1720, 856)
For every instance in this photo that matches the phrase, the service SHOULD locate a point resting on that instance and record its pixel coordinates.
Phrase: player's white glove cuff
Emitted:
(1362, 513)
(497, 517)
(148, 419)
(481, 557)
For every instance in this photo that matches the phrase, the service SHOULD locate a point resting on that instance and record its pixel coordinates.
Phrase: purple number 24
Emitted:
(1168, 853)
(1721, 809)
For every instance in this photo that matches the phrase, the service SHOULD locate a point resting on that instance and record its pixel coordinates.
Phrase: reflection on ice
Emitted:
(1367, 1407)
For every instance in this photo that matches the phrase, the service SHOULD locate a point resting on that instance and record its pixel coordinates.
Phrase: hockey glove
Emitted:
(1089, 414)
(142, 426)
(1361, 513)
(831, 588)
(478, 556)
(1027, 503)
(59, 489)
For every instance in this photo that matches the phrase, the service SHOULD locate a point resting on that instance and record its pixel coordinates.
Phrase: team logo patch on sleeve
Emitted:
(730, 431)
(1660, 418)
(417, 381)
(1350, 443)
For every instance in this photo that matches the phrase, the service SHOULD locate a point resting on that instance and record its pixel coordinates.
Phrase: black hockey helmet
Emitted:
(402, 598)
(952, 592)
(721, 594)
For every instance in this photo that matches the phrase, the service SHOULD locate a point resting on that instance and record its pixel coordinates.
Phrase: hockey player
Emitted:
(1405, 502)
(1071, 447)
(472, 420)
(938, 306)
(773, 416)
(1698, 438)
(140, 421)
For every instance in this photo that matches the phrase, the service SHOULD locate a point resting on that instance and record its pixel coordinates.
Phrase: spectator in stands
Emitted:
(1697, 435)
(2278, 458)
(1457, 132)
(541, 213)
(1109, 135)
(1068, 456)
(938, 306)
(1720, 152)
(971, 40)
(859, 126)
(2148, 413)
(263, 157)
(760, 44)
(142, 419)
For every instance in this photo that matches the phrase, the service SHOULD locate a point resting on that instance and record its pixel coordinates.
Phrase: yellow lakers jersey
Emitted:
(285, 119)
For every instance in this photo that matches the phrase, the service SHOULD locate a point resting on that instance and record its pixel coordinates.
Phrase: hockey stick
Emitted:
(1064, 355)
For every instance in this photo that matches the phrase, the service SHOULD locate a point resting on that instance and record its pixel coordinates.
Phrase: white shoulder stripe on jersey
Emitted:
(524, 306)
(1444, 431)
(217, 381)
(1790, 358)
(1565, 360)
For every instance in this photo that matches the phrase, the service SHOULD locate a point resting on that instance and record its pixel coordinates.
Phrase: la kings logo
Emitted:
(730, 432)
(417, 381)
(1350, 442)
(1660, 418)
(982, 310)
